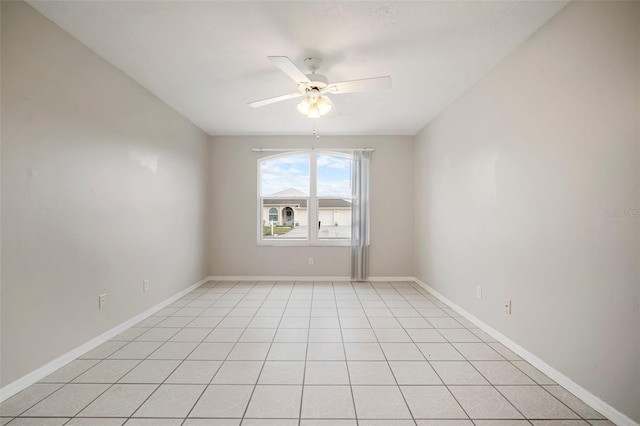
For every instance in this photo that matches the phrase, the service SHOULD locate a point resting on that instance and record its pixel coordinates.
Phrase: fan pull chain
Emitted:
(315, 132)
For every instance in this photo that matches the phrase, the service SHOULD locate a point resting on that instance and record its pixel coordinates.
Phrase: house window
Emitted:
(305, 199)
(273, 214)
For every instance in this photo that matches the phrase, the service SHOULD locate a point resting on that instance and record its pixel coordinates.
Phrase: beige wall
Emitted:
(513, 183)
(233, 190)
(103, 186)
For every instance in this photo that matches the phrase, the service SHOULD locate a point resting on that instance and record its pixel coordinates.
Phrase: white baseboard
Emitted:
(587, 397)
(300, 278)
(27, 380)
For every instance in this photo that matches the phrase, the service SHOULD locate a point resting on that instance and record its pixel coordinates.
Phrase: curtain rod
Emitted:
(309, 149)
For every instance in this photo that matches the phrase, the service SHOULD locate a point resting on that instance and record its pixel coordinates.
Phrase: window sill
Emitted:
(305, 243)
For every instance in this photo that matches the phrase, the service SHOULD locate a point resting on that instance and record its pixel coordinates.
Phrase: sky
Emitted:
(292, 171)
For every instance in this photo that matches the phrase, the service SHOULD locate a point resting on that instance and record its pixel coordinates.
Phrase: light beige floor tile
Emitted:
(432, 402)
(154, 422)
(444, 423)
(238, 373)
(67, 401)
(439, 352)
(96, 422)
(356, 322)
(175, 322)
(559, 423)
(419, 335)
(279, 402)
(170, 401)
(381, 322)
(478, 352)
(135, 350)
(270, 422)
(287, 352)
(249, 351)
(502, 373)
(536, 403)
(332, 422)
(258, 335)
(380, 402)
(294, 322)
(107, 371)
(401, 352)
(482, 335)
(364, 352)
(370, 373)
(223, 401)
(291, 335)
(211, 422)
(392, 335)
(70, 371)
(484, 402)
(230, 335)
(325, 335)
(150, 371)
(158, 334)
(194, 372)
(282, 373)
(535, 374)
(571, 401)
(118, 401)
(211, 351)
(39, 422)
(191, 334)
(494, 422)
(264, 322)
(459, 335)
(444, 322)
(458, 373)
(325, 352)
(504, 351)
(174, 350)
(104, 350)
(414, 373)
(130, 334)
(235, 322)
(358, 335)
(326, 373)
(150, 322)
(206, 322)
(327, 402)
(26, 399)
(321, 322)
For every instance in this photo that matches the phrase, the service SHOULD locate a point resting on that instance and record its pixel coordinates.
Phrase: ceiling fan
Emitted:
(314, 87)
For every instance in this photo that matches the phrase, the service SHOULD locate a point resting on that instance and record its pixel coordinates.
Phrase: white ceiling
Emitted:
(207, 59)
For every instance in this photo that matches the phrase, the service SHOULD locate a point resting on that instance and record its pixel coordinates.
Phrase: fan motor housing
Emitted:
(318, 81)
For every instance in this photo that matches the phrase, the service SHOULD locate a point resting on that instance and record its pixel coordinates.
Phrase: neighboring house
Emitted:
(289, 208)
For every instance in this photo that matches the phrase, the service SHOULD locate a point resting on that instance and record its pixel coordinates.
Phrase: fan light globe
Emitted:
(312, 108)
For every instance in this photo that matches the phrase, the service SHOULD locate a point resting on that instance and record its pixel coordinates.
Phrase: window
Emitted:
(305, 199)
(273, 214)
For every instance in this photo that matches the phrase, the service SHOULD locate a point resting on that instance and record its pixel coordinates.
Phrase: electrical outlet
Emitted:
(479, 292)
(507, 306)
(145, 285)
(311, 261)
(102, 299)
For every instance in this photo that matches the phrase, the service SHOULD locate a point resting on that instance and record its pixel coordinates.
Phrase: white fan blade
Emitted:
(264, 102)
(363, 85)
(289, 68)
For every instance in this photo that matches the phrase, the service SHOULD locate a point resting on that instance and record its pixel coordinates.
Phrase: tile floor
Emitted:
(300, 353)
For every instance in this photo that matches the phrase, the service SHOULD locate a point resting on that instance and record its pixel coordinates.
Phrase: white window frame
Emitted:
(312, 204)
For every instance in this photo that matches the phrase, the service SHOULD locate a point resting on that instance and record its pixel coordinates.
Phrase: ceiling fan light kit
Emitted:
(313, 87)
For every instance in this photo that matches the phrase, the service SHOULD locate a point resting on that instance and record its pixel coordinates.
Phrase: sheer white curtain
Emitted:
(360, 215)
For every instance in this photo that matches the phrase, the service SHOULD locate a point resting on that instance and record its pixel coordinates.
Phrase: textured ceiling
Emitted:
(208, 59)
